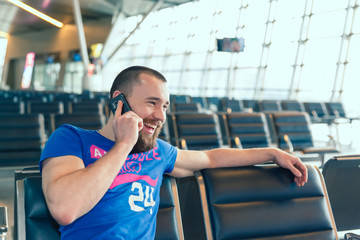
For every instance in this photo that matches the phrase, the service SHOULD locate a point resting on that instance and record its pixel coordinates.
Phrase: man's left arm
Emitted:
(187, 162)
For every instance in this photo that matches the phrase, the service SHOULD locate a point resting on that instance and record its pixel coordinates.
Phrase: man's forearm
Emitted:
(240, 157)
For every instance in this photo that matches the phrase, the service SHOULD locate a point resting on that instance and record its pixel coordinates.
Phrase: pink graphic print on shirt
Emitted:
(132, 166)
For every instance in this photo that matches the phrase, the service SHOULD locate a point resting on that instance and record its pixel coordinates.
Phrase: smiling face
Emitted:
(150, 100)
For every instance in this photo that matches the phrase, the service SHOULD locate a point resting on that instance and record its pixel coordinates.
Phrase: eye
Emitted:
(152, 103)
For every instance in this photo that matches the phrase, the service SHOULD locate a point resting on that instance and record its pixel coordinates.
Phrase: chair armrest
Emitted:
(351, 236)
(183, 144)
(315, 115)
(238, 143)
(289, 143)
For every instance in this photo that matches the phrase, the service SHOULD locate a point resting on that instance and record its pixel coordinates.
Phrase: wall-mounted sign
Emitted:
(28, 70)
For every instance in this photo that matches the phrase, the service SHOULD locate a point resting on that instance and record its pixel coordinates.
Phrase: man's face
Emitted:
(149, 100)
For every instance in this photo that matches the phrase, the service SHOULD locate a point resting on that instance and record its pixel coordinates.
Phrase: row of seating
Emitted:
(320, 112)
(23, 136)
(290, 131)
(58, 107)
(258, 202)
(49, 96)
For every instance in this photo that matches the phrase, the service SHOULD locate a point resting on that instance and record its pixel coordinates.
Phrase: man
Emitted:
(105, 184)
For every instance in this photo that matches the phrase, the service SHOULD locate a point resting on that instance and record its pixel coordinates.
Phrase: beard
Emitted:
(146, 142)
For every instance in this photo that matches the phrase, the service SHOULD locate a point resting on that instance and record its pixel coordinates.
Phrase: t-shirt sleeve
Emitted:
(170, 153)
(63, 141)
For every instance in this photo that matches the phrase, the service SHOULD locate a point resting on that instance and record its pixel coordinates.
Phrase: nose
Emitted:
(160, 114)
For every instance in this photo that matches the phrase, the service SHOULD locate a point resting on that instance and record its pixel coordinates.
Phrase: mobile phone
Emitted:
(114, 102)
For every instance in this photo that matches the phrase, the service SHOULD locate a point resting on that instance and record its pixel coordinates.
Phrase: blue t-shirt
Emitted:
(128, 209)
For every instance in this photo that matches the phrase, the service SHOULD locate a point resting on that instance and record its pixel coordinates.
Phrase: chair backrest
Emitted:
(213, 103)
(168, 223)
(45, 107)
(269, 106)
(342, 178)
(199, 130)
(335, 109)
(263, 202)
(180, 98)
(165, 132)
(251, 104)
(230, 105)
(94, 106)
(12, 107)
(34, 222)
(185, 107)
(297, 126)
(201, 100)
(92, 121)
(292, 105)
(22, 137)
(316, 110)
(250, 128)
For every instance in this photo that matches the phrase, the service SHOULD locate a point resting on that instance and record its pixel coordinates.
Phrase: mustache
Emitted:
(153, 122)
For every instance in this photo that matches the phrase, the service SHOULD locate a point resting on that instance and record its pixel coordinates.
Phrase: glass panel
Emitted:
(191, 83)
(221, 60)
(45, 76)
(317, 77)
(74, 72)
(287, 31)
(173, 80)
(290, 9)
(356, 26)
(327, 25)
(244, 83)
(351, 96)
(197, 60)
(216, 83)
(280, 61)
(320, 6)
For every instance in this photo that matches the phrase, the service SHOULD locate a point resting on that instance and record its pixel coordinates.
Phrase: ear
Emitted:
(116, 93)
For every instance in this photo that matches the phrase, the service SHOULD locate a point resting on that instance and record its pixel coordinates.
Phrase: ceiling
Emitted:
(14, 20)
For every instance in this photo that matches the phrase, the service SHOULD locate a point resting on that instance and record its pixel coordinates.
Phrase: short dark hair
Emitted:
(127, 78)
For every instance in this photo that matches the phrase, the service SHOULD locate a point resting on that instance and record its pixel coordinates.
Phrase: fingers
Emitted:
(130, 115)
(298, 176)
(140, 124)
(299, 170)
(295, 171)
(119, 109)
(303, 177)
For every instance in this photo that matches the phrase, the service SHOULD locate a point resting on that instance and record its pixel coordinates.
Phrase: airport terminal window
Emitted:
(295, 43)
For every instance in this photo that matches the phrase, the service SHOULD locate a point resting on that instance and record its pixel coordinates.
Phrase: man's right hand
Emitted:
(126, 127)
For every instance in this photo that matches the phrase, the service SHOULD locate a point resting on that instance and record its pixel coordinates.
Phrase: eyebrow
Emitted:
(157, 100)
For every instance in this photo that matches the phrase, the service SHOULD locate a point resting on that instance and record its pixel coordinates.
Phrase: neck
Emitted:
(107, 130)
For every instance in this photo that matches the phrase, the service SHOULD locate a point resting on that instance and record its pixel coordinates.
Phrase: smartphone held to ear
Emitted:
(114, 102)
